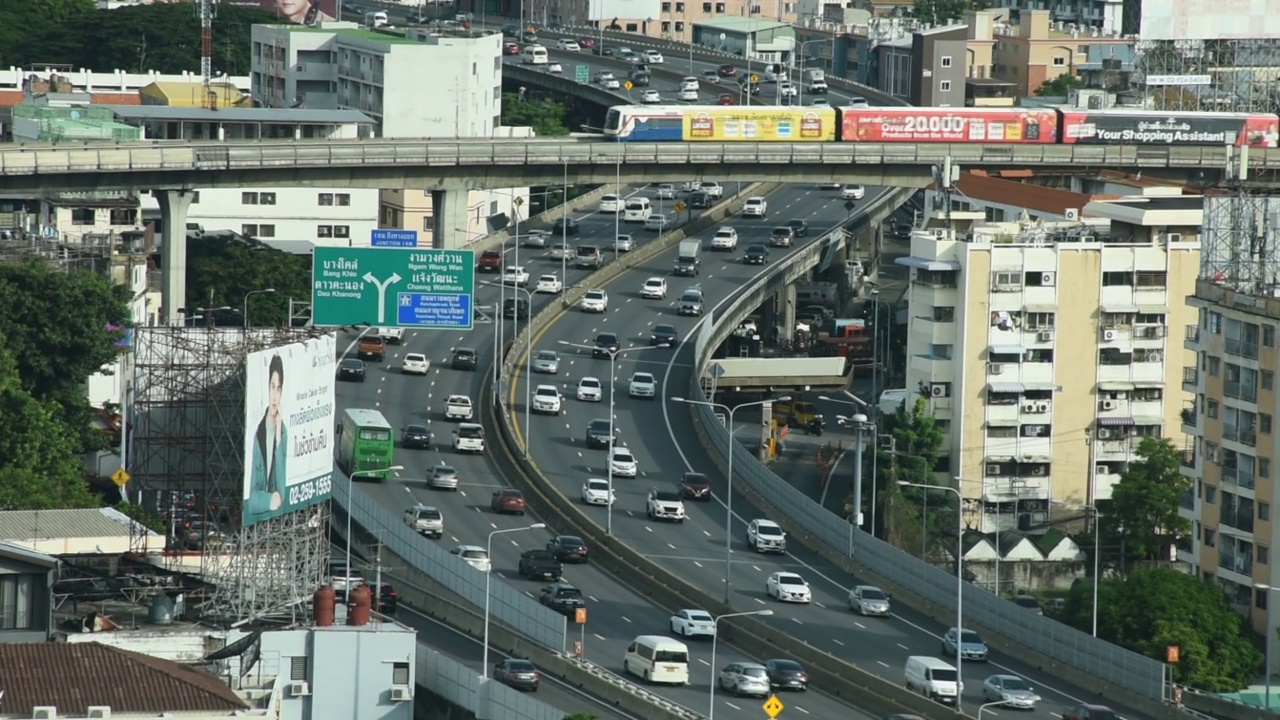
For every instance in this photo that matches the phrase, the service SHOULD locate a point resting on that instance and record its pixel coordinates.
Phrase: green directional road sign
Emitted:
(410, 288)
(581, 73)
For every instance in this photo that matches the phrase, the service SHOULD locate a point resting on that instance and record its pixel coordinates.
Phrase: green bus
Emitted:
(366, 445)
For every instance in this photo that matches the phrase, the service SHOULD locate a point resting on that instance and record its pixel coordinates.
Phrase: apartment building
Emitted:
(338, 217)
(1045, 348)
(670, 19)
(1037, 49)
(1104, 15)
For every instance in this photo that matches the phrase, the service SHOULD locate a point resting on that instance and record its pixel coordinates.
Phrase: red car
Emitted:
(508, 501)
(586, 42)
(490, 261)
(726, 99)
(726, 71)
(695, 486)
(511, 49)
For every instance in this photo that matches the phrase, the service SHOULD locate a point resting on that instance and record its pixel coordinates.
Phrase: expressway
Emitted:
(616, 613)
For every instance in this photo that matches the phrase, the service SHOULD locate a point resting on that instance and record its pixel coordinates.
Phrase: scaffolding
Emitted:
(1241, 75)
(1241, 243)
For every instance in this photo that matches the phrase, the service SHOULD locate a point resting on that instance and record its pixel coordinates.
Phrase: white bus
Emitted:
(658, 659)
(534, 55)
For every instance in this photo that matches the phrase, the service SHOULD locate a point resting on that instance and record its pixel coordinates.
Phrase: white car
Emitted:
(568, 45)
(549, 284)
(650, 97)
(788, 587)
(755, 207)
(561, 251)
(654, 288)
(536, 239)
(657, 221)
(515, 275)
(546, 399)
(610, 83)
(786, 89)
(475, 556)
(693, 623)
(415, 364)
(689, 83)
(596, 301)
(665, 505)
(652, 57)
(687, 95)
(666, 191)
(589, 390)
(712, 188)
(623, 243)
(853, 192)
(596, 492)
(766, 536)
(819, 102)
(726, 238)
(555, 68)
(610, 204)
(622, 463)
(869, 600)
(643, 385)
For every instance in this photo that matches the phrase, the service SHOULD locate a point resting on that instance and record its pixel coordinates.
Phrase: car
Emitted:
(972, 646)
(343, 576)
(415, 364)
(622, 463)
(726, 99)
(555, 68)
(782, 236)
(599, 432)
(658, 221)
(515, 308)
(539, 564)
(511, 49)
(490, 261)
(799, 227)
(1011, 690)
(565, 226)
(596, 301)
(352, 370)
(750, 88)
(610, 82)
(464, 359)
(563, 598)
(586, 42)
(654, 288)
(507, 501)
(664, 335)
(830, 186)
(590, 390)
(651, 97)
(744, 679)
(548, 284)
(710, 76)
(475, 556)
(690, 303)
(536, 239)
(853, 192)
(756, 255)
(546, 361)
(415, 437)
(788, 587)
(528, 36)
(391, 336)
(568, 45)
(458, 407)
(518, 674)
(610, 204)
(443, 477)
(755, 207)
(652, 56)
(766, 536)
(693, 623)
(712, 188)
(786, 675)
(561, 251)
(857, 101)
(387, 599)
(787, 90)
(726, 238)
(546, 399)
(695, 486)
(606, 345)
(819, 102)
(569, 548)
(666, 191)
(510, 30)
(902, 230)
(623, 243)
(687, 95)
(596, 492)
(1088, 711)
(643, 385)
(605, 51)
(665, 505)
(726, 71)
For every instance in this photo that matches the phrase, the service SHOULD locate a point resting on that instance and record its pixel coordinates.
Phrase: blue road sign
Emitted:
(394, 238)
(433, 310)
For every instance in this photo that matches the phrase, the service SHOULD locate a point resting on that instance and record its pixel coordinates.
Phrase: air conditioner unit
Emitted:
(1155, 356)
(1108, 334)
(1044, 335)
(401, 693)
(1072, 214)
(1029, 407)
(98, 711)
(1175, 237)
(1108, 404)
(44, 712)
(1042, 407)
(1037, 470)
(1106, 434)
(299, 688)
(1101, 470)
(938, 390)
(993, 469)
(1048, 278)
(940, 233)
(1155, 332)
(995, 368)
(1087, 238)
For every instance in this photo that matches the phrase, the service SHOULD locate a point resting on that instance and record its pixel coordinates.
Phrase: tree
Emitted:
(939, 12)
(1060, 86)
(1149, 610)
(1143, 515)
(582, 716)
(19, 19)
(221, 271)
(546, 117)
(912, 456)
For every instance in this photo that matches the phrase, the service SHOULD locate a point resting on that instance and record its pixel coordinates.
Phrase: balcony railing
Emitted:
(1236, 346)
(1189, 458)
(1190, 376)
(1187, 500)
(1235, 562)
(1193, 333)
(1240, 391)
(1238, 519)
(1234, 476)
(1189, 416)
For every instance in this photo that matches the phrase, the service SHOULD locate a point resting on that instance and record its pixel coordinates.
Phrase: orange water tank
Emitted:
(360, 606)
(322, 606)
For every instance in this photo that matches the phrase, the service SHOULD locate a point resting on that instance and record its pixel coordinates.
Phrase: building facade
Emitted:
(1037, 50)
(326, 216)
(26, 595)
(1104, 15)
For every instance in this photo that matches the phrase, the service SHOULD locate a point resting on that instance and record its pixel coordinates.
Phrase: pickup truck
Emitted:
(425, 520)
(390, 336)
(372, 347)
(540, 564)
(458, 407)
(796, 413)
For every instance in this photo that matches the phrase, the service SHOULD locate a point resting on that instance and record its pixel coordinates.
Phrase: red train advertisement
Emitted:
(949, 125)
(1149, 128)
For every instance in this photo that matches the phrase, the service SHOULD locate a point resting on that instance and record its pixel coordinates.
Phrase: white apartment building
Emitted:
(419, 85)
(324, 216)
(1048, 350)
(1102, 14)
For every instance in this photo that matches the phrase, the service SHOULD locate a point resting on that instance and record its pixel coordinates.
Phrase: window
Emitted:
(400, 673)
(666, 26)
(1215, 365)
(248, 198)
(679, 26)
(1264, 468)
(1268, 379)
(325, 199)
(83, 216)
(20, 605)
(1038, 321)
(1264, 424)
(679, 7)
(124, 216)
(267, 198)
(298, 667)
(1210, 495)
(1215, 323)
(1059, 62)
(1212, 408)
(1210, 538)
(946, 61)
(1264, 555)
(706, 7)
(249, 230)
(344, 199)
(1264, 511)
(1260, 596)
(266, 231)
(944, 314)
(944, 86)
(632, 27)
(1268, 336)
(666, 7)
(324, 231)
(1002, 432)
(1113, 279)
(342, 231)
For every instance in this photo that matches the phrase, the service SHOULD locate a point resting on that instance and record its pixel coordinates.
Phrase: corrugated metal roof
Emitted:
(239, 114)
(16, 552)
(27, 525)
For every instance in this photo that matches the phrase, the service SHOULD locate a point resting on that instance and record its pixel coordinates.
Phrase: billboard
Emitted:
(760, 124)
(1154, 128)
(1209, 20)
(300, 12)
(288, 434)
(1027, 126)
(622, 10)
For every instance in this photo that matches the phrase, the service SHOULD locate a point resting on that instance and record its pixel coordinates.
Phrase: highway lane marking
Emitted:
(797, 621)
(704, 662)
(695, 562)
(592, 599)
(904, 647)
(759, 601)
(735, 707)
(597, 636)
(797, 707)
(860, 625)
(756, 568)
(673, 547)
(625, 618)
(704, 532)
(824, 607)
(837, 642)
(883, 663)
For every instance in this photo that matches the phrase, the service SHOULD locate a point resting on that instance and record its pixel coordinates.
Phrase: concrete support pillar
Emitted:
(449, 207)
(173, 252)
(771, 317)
(788, 312)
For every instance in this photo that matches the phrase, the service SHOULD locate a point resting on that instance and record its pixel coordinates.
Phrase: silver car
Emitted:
(443, 477)
(1010, 690)
(744, 678)
(546, 361)
(536, 239)
(623, 243)
(869, 600)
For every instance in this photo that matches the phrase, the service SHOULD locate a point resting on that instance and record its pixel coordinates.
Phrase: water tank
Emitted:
(160, 611)
(322, 606)
(360, 607)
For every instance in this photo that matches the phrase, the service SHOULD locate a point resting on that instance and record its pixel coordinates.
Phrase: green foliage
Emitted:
(1150, 610)
(221, 271)
(144, 516)
(546, 117)
(940, 12)
(582, 716)
(917, 442)
(1143, 514)
(1060, 86)
(17, 19)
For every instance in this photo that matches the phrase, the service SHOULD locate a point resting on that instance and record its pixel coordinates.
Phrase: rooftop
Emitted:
(742, 24)
(22, 526)
(980, 186)
(280, 116)
(392, 36)
(17, 552)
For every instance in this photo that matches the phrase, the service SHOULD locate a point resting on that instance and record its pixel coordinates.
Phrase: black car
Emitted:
(664, 335)
(756, 255)
(782, 236)
(695, 486)
(606, 344)
(700, 200)
(540, 564)
(519, 674)
(388, 599)
(786, 675)
(564, 226)
(351, 369)
(416, 437)
(568, 548)
(598, 434)
(640, 79)
(465, 359)
(515, 308)
(562, 597)
(605, 51)
(510, 31)
(799, 227)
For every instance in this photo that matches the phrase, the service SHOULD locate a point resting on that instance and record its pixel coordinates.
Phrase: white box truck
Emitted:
(687, 259)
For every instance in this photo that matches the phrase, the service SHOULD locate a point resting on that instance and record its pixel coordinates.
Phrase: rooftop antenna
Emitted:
(205, 8)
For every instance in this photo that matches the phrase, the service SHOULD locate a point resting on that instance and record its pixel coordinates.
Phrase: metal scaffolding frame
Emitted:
(1242, 73)
(1240, 246)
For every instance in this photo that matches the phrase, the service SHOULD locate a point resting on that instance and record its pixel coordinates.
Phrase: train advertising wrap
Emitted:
(1150, 128)
(949, 125)
(764, 124)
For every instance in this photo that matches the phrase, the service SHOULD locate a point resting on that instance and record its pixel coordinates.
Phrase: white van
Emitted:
(376, 19)
(933, 678)
(534, 55)
(637, 210)
(658, 659)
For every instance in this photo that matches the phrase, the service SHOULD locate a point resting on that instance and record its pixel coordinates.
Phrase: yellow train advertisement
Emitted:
(732, 123)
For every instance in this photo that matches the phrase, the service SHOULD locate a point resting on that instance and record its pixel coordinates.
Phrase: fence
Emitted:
(465, 688)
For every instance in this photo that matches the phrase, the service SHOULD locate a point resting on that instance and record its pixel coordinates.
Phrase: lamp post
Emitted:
(959, 576)
(860, 425)
(613, 360)
(984, 706)
(351, 483)
(251, 293)
(1097, 578)
(874, 408)
(488, 579)
(528, 357)
(728, 502)
(715, 637)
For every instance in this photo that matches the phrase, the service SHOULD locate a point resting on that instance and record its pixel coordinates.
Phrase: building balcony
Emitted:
(1236, 346)
(1235, 478)
(933, 332)
(1238, 391)
(1244, 436)
(1192, 341)
(1235, 562)
(1190, 379)
(1187, 500)
(1189, 418)
(314, 71)
(1189, 458)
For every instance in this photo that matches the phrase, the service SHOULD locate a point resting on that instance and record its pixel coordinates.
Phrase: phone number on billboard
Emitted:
(311, 489)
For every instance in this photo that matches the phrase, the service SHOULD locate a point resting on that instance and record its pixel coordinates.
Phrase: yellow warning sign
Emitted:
(773, 707)
(627, 85)
(680, 207)
(756, 79)
(120, 477)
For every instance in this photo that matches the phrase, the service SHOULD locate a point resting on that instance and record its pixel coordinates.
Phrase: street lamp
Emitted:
(488, 579)
(351, 483)
(715, 637)
(959, 576)
(528, 356)
(860, 425)
(251, 293)
(728, 504)
(1097, 553)
(613, 359)
(984, 706)
(875, 386)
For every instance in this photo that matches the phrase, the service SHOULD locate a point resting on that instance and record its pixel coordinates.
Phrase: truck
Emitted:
(688, 262)
(390, 335)
(540, 564)
(815, 81)
(372, 347)
(797, 412)
(458, 407)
